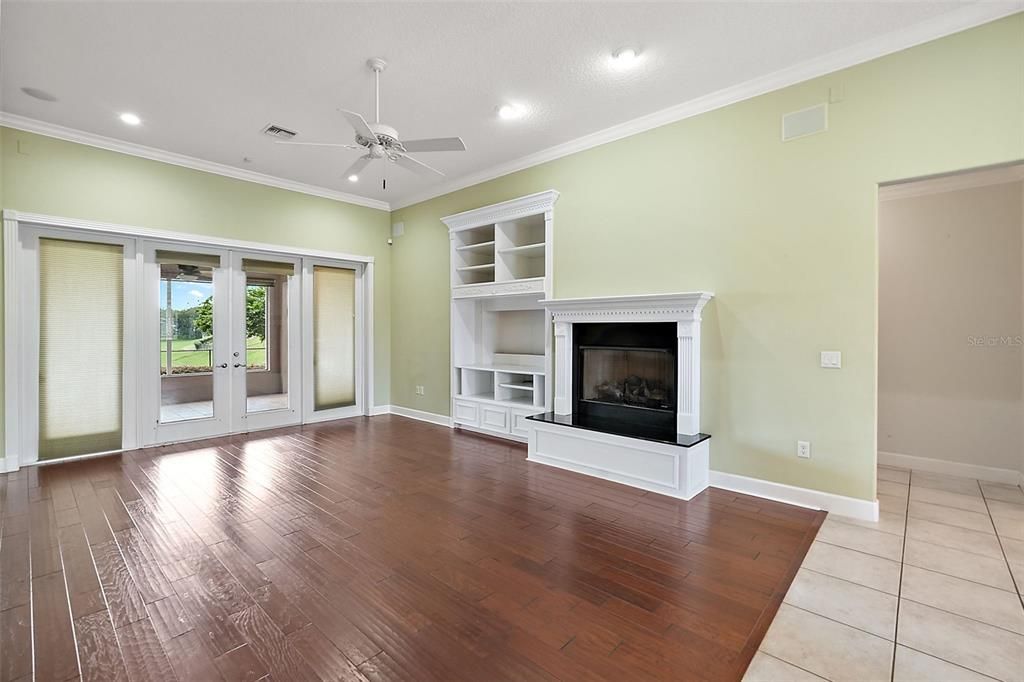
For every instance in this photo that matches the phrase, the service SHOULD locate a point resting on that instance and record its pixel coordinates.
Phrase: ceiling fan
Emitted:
(381, 141)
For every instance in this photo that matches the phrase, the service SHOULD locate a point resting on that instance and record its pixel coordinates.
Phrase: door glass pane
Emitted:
(334, 336)
(186, 336)
(81, 347)
(266, 331)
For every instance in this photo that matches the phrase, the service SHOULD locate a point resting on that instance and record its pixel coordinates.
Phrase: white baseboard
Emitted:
(380, 409)
(421, 415)
(801, 497)
(942, 466)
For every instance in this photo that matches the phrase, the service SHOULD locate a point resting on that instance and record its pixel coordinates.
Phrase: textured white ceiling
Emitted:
(206, 77)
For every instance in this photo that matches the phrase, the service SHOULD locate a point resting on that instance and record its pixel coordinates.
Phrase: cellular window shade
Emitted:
(334, 335)
(81, 347)
(182, 258)
(266, 267)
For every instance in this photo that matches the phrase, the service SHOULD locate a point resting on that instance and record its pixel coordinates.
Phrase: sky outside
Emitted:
(185, 294)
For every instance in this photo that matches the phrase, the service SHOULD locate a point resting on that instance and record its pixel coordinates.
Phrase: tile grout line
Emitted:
(793, 664)
(1002, 549)
(899, 589)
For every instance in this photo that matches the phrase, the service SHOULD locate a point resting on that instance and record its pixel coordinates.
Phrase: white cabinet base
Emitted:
(672, 470)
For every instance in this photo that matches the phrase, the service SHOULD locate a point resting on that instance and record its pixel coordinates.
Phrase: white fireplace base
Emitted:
(672, 470)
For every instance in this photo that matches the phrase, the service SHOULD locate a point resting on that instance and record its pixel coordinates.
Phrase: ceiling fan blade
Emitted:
(409, 163)
(358, 165)
(320, 144)
(435, 144)
(359, 124)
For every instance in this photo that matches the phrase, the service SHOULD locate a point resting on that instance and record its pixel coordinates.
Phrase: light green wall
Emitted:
(54, 177)
(784, 234)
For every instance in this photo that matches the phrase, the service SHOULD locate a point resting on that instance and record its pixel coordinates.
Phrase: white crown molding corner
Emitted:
(421, 415)
(865, 510)
(31, 125)
(958, 20)
(948, 468)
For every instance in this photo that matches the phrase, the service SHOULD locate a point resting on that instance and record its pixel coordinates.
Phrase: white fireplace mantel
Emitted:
(682, 308)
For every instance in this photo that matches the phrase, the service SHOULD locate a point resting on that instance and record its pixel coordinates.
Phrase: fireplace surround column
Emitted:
(688, 382)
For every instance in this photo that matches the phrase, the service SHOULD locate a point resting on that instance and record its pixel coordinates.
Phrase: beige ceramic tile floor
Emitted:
(932, 592)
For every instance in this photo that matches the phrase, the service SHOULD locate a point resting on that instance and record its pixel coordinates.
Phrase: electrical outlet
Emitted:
(803, 449)
(831, 359)
(420, 390)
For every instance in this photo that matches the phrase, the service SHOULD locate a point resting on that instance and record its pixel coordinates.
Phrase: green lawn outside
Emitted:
(256, 354)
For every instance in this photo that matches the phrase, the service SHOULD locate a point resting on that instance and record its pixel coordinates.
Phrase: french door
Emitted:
(222, 341)
(119, 338)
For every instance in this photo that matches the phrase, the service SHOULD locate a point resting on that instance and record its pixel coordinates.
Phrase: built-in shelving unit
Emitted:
(501, 334)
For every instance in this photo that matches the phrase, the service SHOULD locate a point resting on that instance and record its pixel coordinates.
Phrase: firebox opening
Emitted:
(626, 372)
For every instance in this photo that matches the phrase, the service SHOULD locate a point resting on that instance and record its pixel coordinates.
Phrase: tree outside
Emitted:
(192, 345)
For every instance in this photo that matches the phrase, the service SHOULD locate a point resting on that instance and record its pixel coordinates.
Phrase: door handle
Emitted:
(237, 364)
(223, 365)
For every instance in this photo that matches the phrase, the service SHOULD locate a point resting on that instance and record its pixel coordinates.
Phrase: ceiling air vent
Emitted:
(278, 132)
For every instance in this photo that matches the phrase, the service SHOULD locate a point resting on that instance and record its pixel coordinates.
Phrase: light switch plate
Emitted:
(831, 359)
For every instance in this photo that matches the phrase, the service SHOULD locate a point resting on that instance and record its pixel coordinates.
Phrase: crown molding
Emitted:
(943, 25)
(31, 125)
(531, 204)
(953, 182)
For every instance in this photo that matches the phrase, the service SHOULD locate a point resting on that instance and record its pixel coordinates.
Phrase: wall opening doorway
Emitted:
(951, 324)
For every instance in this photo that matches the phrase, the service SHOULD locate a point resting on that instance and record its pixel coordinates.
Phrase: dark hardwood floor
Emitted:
(383, 549)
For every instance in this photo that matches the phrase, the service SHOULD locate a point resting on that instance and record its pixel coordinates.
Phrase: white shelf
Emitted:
(525, 401)
(473, 268)
(508, 369)
(524, 249)
(473, 247)
(519, 387)
(501, 335)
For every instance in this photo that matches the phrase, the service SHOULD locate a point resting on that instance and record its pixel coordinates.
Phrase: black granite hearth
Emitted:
(622, 428)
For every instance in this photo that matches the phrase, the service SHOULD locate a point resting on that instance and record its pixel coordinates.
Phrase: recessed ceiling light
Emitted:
(40, 94)
(624, 58)
(353, 178)
(510, 112)
(130, 119)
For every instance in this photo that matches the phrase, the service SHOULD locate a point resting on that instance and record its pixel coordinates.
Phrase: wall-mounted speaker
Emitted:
(805, 122)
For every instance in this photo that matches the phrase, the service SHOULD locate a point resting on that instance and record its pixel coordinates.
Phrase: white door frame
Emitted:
(153, 430)
(21, 359)
(364, 340)
(242, 420)
(21, 415)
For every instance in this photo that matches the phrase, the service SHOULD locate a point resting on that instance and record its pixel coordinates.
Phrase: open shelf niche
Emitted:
(501, 334)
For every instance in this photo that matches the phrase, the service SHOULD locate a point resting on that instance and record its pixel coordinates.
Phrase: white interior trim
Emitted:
(802, 497)
(431, 417)
(31, 125)
(942, 466)
(172, 236)
(952, 182)
(12, 348)
(961, 19)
